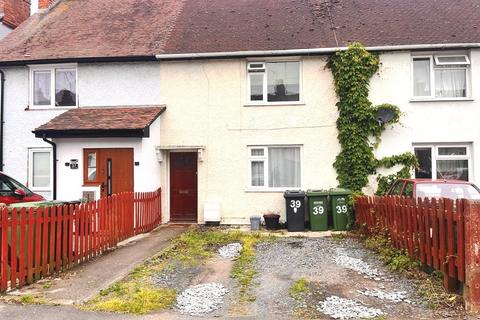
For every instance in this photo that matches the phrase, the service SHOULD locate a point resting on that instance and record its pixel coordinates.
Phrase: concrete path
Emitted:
(85, 281)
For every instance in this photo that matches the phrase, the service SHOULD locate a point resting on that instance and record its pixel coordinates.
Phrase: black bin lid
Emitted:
(294, 194)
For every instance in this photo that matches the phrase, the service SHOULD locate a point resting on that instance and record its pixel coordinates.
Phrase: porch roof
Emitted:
(97, 122)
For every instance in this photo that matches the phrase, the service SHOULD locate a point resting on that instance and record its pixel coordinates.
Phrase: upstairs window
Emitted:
(273, 82)
(440, 76)
(54, 87)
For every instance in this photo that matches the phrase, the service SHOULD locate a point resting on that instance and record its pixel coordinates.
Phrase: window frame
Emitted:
(264, 158)
(87, 182)
(451, 66)
(31, 151)
(435, 156)
(52, 69)
(265, 101)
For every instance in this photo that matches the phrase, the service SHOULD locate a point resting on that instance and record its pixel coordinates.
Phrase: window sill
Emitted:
(34, 190)
(267, 190)
(440, 99)
(271, 104)
(28, 108)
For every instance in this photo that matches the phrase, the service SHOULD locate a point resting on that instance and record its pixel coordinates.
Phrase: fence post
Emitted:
(471, 289)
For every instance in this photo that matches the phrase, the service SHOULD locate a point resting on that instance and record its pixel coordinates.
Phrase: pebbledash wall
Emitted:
(146, 174)
(114, 84)
(207, 107)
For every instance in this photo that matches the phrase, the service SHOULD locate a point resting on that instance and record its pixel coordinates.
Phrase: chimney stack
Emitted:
(15, 12)
(44, 4)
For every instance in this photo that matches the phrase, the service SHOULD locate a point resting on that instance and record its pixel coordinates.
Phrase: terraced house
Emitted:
(226, 104)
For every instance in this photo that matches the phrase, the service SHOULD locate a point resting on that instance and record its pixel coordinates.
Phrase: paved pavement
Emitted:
(85, 281)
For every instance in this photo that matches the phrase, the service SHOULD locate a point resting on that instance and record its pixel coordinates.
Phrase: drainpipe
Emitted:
(54, 149)
(2, 88)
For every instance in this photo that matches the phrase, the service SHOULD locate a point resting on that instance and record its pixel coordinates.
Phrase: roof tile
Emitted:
(103, 118)
(75, 29)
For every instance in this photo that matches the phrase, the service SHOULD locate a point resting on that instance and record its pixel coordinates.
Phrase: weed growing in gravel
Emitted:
(298, 289)
(430, 287)
(244, 270)
(397, 260)
(32, 299)
(338, 237)
(137, 294)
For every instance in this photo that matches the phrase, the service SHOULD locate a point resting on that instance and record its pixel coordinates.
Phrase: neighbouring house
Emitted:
(12, 14)
(228, 103)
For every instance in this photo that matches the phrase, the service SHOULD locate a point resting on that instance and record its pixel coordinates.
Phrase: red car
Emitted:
(12, 191)
(427, 188)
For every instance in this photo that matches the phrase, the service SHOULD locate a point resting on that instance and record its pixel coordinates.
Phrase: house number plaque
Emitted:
(74, 164)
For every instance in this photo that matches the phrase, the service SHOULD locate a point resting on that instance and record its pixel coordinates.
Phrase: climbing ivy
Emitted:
(359, 131)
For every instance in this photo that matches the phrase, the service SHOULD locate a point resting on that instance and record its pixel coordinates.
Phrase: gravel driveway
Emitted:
(345, 281)
(340, 269)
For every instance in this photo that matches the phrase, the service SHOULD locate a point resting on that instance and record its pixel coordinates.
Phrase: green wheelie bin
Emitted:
(318, 209)
(339, 199)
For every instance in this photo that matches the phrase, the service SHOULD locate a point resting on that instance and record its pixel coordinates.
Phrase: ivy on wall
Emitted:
(359, 131)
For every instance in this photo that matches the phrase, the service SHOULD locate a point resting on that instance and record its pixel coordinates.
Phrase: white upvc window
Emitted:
(444, 161)
(274, 168)
(53, 86)
(40, 169)
(440, 77)
(275, 82)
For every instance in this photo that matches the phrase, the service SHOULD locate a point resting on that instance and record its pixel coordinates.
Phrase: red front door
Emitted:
(183, 186)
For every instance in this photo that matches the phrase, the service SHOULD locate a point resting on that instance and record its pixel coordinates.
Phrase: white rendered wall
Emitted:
(426, 122)
(99, 85)
(146, 175)
(205, 102)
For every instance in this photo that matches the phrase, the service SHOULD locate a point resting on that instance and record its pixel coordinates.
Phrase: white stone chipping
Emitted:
(340, 308)
(230, 251)
(394, 296)
(201, 299)
(357, 265)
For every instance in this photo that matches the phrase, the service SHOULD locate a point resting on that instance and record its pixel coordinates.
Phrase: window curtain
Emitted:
(450, 82)
(41, 169)
(42, 88)
(452, 169)
(421, 77)
(284, 167)
(257, 174)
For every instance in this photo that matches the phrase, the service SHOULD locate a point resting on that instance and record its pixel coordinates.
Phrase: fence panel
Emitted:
(431, 231)
(35, 243)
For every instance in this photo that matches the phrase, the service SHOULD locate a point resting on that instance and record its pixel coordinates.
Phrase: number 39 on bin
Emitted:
(341, 209)
(295, 205)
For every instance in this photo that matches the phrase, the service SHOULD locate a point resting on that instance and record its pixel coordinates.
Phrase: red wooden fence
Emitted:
(35, 243)
(432, 231)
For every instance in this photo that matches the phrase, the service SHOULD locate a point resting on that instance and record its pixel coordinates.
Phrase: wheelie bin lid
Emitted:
(340, 192)
(294, 194)
(317, 192)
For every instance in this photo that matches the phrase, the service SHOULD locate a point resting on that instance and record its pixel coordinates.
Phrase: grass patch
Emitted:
(298, 289)
(136, 294)
(132, 296)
